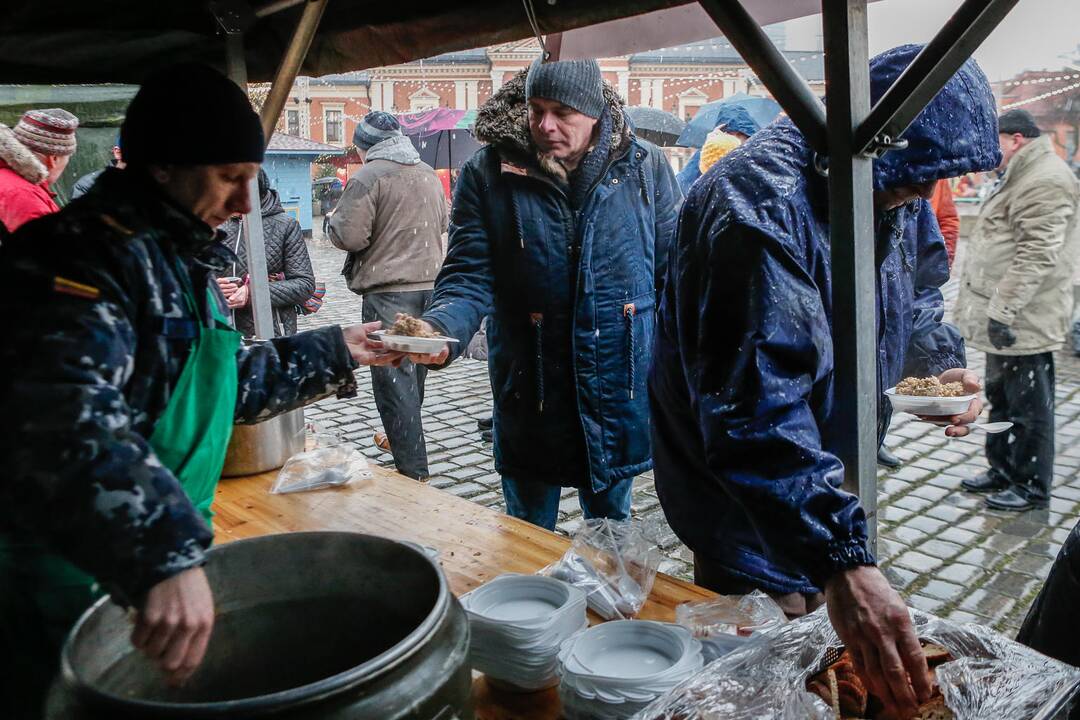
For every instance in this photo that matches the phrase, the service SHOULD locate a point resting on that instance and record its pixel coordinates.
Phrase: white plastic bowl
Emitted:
(933, 406)
(628, 649)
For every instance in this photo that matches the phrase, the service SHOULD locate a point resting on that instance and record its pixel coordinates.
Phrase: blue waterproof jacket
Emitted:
(742, 381)
(571, 294)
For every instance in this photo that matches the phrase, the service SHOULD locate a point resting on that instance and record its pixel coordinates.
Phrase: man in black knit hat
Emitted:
(120, 385)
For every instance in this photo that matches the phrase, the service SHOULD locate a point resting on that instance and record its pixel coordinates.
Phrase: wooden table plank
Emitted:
(475, 544)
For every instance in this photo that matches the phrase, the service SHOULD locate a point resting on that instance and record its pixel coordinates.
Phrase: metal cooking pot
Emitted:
(309, 625)
(264, 446)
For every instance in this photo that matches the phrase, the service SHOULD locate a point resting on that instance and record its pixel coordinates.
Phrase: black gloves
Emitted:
(1001, 335)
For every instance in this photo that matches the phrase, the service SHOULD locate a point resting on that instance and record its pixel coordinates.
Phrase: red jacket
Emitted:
(22, 200)
(945, 209)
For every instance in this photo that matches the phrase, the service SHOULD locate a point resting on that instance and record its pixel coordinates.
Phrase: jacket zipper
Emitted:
(538, 332)
(628, 312)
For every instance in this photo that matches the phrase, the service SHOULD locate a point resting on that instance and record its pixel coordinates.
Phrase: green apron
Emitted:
(41, 594)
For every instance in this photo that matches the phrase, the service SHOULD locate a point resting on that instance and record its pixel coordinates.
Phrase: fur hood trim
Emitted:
(20, 158)
(503, 121)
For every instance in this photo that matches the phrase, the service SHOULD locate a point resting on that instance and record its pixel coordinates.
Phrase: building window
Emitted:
(292, 122)
(332, 121)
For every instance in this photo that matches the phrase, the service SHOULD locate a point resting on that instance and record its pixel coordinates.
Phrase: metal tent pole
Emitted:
(290, 64)
(851, 236)
(251, 229)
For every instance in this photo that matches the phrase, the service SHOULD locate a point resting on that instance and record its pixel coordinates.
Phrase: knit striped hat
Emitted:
(375, 127)
(48, 132)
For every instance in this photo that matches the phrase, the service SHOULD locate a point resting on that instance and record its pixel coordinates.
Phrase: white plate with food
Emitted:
(410, 335)
(928, 396)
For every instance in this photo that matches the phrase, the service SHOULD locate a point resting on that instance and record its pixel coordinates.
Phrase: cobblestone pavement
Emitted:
(939, 546)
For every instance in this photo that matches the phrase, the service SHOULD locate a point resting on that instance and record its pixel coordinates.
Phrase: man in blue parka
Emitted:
(732, 119)
(559, 233)
(742, 380)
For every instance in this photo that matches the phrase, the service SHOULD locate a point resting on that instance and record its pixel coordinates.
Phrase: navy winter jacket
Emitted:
(742, 380)
(571, 295)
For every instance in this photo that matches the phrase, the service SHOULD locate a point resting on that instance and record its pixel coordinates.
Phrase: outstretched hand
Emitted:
(367, 351)
(955, 425)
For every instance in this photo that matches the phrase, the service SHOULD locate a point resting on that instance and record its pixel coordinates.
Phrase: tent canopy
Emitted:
(73, 41)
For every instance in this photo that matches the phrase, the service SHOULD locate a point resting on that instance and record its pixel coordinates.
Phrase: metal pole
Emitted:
(251, 229)
(851, 234)
(290, 64)
(275, 7)
(932, 68)
(786, 85)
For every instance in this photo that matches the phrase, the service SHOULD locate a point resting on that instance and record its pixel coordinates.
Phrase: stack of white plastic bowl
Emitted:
(615, 669)
(518, 623)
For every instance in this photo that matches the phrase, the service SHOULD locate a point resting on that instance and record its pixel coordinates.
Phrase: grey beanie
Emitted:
(375, 127)
(575, 83)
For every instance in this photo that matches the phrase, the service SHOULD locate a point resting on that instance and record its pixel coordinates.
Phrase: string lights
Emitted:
(1043, 96)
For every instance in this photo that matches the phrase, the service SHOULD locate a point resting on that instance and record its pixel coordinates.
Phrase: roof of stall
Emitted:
(74, 41)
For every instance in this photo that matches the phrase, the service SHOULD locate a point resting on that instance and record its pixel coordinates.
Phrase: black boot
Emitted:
(1010, 499)
(984, 483)
(887, 459)
(484, 423)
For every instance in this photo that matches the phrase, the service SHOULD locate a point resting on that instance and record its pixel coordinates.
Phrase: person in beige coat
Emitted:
(391, 218)
(1015, 303)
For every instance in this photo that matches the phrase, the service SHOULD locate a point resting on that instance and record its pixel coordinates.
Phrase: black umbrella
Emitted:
(446, 149)
(657, 126)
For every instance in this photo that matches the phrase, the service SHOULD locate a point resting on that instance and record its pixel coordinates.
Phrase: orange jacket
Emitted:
(945, 209)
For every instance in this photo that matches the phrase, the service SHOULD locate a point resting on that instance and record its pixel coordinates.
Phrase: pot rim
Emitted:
(302, 695)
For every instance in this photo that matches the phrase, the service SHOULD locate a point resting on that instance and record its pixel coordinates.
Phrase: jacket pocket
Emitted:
(637, 314)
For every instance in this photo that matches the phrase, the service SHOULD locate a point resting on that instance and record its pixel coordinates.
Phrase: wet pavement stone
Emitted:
(940, 547)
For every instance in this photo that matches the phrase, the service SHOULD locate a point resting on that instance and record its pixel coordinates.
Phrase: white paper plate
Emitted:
(410, 344)
(918, 405)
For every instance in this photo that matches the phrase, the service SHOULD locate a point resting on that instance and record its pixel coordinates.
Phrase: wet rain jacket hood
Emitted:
(569, 282)
(742, 381)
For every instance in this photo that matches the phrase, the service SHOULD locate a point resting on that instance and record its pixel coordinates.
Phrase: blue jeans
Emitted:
(538, 502)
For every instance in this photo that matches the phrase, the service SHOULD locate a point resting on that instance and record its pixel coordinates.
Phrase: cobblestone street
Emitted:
(939, 546)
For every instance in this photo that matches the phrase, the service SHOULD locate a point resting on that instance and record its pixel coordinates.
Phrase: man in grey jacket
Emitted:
(1015, 302)
(391, 218)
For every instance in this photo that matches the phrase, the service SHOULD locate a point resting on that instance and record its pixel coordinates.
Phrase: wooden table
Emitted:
(475, 544)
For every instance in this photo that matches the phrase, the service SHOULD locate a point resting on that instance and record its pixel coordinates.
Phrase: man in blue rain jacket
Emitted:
(742, 380)
(566, 259)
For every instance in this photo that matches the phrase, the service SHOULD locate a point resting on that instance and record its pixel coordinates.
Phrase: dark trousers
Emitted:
(538, 502)
(1052, 625)
(399, 392)
(1020, 389)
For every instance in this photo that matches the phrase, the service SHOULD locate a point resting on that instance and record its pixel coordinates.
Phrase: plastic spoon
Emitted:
(994, 427)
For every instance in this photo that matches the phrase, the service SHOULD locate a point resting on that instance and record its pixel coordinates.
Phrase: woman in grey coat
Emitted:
(287, 262)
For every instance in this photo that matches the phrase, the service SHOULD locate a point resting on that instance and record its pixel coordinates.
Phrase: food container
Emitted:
(932, 406)
(264, 446)
(412, 344)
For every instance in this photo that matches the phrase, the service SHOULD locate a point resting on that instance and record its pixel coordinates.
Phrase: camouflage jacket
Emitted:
(99, 333)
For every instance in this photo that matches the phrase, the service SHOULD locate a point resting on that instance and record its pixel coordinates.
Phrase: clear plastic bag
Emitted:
(726, 623)
(328, 462)
(992, 677)
(614, 562)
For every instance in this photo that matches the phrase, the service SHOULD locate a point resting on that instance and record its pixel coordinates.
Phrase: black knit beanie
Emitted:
(1018, 121)
(190, 114)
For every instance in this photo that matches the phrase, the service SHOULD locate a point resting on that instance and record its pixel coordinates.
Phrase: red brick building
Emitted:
(1053, 98)
(679, 80)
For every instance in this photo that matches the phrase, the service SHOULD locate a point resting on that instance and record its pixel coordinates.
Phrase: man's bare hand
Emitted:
(873, 623)
(367, 351)
(430, 358)
(173, 627)
(955, 424)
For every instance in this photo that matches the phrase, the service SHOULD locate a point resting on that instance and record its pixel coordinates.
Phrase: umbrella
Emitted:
(657, 126)
(764, 110)
(445, 148)
(438, 119)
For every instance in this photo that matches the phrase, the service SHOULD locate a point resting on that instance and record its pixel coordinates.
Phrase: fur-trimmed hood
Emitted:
(20, 158)
(503, 121)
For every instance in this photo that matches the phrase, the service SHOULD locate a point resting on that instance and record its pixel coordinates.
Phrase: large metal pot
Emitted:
(264, 446)
(309, 625)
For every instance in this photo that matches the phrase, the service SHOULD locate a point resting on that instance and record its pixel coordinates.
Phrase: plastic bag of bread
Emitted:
(797, 671)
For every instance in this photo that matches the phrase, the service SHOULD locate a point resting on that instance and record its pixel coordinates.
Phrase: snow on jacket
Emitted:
(286, 253)
(570, 291)
(743, 380)
(391, 218)
(102, 335)
(1022, 253)
(24, 186)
